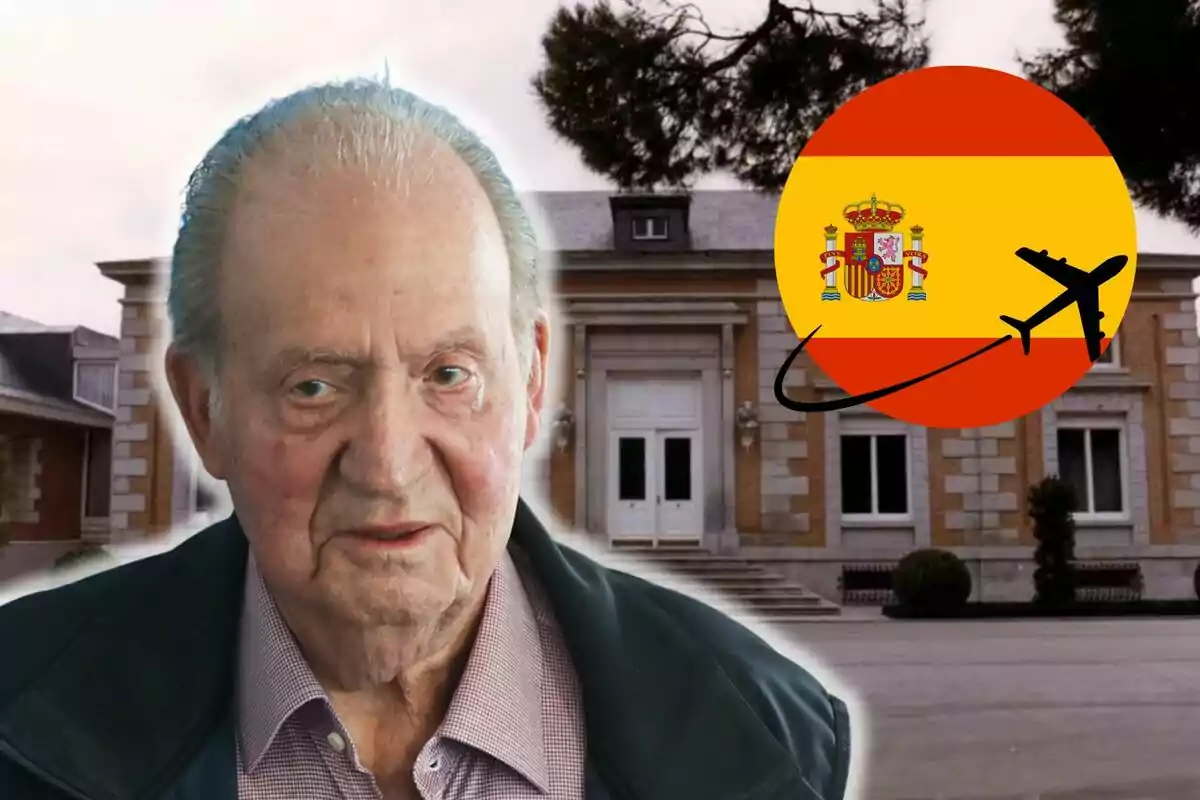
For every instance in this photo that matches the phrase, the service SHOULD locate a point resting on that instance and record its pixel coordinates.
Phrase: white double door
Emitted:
(654, 484)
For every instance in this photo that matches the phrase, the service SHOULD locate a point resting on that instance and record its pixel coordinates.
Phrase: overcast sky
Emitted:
(107, 106)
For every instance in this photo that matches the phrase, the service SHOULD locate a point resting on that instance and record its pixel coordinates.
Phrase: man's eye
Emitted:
(450, 376)
(313, 390)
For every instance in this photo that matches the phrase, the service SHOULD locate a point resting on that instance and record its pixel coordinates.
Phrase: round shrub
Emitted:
(932, 582)
(86, 554)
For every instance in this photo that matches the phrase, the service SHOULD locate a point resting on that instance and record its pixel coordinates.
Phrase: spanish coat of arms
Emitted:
(874, 255)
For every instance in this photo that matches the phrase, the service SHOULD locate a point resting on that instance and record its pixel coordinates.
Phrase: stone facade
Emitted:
(21, 468)
(779, 498)
(145, 462)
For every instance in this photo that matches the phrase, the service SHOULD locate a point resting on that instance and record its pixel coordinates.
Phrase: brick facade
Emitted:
(42, 464)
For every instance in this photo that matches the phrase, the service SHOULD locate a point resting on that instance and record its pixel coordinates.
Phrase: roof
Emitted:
(29, 371)
(24, 403)
(731, 220)
(734, 221)
(11, 323)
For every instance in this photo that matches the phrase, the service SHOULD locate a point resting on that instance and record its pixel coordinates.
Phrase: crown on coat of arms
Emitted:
(873, 214)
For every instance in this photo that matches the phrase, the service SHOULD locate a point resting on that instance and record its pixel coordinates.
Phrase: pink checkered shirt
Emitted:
(514, 729)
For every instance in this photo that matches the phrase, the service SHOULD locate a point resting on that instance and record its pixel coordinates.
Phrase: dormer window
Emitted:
(96, 384)
(649, 228)
(650, 223)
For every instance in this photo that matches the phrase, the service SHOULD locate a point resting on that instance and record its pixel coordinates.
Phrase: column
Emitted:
(580, 434)
(831, 291)
(917, 292)
(729, 540)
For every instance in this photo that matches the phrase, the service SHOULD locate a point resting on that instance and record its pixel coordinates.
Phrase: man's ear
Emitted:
(536, 387)
(189, 386)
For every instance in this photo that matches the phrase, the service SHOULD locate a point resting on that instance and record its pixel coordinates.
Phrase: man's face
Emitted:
(371, 384)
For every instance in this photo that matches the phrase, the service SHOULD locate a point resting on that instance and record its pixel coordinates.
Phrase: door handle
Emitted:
(657, 500)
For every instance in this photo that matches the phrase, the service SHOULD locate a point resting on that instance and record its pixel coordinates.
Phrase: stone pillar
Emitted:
(143, 463)
(579, 365)
(783, 434)
(728, 541)
(1181, 375)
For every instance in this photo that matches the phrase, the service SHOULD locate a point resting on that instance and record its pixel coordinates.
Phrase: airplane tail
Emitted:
(1022, 328)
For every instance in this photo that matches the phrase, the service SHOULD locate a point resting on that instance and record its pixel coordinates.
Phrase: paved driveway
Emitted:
(992, 710)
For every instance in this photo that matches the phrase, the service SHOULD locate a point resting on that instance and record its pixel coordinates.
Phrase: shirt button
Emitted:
(336, 741)
(435, 765)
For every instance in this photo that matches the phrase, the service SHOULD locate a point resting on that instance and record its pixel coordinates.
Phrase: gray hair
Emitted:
(380, 139)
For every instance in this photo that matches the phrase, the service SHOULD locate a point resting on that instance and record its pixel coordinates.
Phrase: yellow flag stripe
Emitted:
(975, 213)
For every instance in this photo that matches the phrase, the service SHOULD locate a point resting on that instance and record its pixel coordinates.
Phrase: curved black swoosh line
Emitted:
(861, 399)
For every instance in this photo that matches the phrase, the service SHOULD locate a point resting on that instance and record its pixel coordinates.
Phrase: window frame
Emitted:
(116, 370)
(650, 235)
(1089, 423)
(1114, 347)
(875, 429)
(86, 520)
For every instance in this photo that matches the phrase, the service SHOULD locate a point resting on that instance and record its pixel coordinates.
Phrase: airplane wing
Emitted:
(1088, 303)
(1058, 270)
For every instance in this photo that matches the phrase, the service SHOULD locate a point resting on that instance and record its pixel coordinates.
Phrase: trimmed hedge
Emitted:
(932, 582)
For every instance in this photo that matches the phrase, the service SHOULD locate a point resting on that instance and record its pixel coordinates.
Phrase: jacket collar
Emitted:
(663, 719)
(156, 664)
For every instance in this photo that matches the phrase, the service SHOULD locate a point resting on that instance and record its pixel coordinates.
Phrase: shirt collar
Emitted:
(496, 709)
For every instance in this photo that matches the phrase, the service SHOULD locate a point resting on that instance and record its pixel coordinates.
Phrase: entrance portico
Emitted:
(654, 404)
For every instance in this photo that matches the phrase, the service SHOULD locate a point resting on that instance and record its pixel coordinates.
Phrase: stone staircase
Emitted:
(755, 588)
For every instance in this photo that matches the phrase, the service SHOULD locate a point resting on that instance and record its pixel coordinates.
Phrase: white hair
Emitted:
(373, 126)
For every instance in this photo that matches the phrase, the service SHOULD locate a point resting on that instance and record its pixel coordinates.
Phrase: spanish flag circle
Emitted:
(897, 240)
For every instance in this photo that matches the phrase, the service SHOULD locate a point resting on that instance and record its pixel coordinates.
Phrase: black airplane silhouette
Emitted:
(1082, 290)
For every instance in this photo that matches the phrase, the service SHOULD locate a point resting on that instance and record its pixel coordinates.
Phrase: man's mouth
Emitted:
(386, 535)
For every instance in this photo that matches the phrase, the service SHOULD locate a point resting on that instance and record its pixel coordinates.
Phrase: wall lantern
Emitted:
(563, 425)
(747, 423)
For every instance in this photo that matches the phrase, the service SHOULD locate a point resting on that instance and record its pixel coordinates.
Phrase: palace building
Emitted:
(669, 333)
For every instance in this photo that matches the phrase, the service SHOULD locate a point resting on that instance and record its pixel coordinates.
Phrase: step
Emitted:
(775, 612)
(775, 600)
(754, 582)
(821, 611)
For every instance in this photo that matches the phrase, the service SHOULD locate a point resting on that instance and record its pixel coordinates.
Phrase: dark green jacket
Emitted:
(120, 686)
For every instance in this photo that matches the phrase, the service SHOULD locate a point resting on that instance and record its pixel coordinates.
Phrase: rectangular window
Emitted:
(677, 466)
(1110, 358)
(649, 228)
(96, 384)
(1091, 458)
(875, 479)
(631, 468)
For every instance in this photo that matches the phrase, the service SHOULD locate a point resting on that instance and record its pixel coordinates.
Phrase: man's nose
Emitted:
(387, 450)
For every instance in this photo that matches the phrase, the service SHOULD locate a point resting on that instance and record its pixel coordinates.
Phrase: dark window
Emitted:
(631, 468)
(1089, 459)
(98, 473)
(891, 474)
(677, 466)
(874, 474)
(856, 475)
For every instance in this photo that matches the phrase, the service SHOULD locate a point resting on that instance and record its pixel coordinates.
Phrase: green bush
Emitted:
(932, 582)
(87, 554)
(1052, 504)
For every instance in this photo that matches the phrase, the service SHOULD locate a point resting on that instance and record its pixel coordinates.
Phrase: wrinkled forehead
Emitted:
(338, 228)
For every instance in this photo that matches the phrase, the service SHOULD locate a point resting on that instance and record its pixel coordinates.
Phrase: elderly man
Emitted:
(360, 353)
